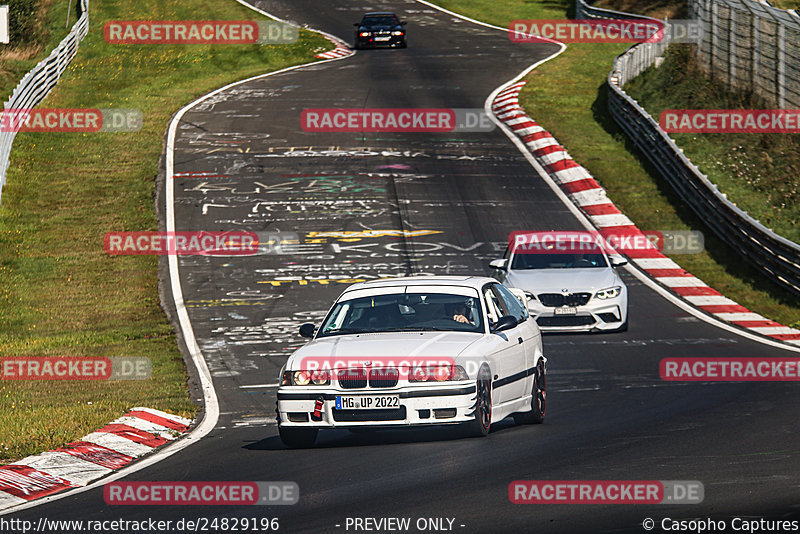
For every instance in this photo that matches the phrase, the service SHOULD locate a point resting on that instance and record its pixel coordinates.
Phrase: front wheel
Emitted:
(538, 400)
(298, 438)
(479, 426)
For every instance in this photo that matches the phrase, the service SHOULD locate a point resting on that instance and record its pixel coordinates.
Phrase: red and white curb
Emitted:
(76, 464)
(586, 193)
(341, 50)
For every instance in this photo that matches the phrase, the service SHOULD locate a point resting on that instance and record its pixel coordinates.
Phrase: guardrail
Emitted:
(37, 84)
(776, 256)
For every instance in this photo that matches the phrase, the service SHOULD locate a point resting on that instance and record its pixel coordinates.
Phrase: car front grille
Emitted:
(376, 378)
(395, 414)
(565, 320)
(556, 300)
(383, 378)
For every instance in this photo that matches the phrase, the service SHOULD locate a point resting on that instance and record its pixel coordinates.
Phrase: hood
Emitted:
(554, 280)
(390, 346)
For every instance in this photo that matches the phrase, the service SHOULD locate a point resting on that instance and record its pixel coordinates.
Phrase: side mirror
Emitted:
(498, 264)
(356, 24)
(403, 23)
(618, 261)
(504, 323)
(307, 330)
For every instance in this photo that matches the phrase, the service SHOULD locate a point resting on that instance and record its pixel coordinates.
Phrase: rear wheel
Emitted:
(538, 400)
(298, 438)
(479, 426)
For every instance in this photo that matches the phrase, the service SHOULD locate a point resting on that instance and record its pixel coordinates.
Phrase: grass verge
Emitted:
(61, 294)
(579, 119)
(46, 24)
(759, 172)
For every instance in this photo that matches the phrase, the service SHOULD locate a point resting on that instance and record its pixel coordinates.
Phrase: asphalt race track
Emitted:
(446, 203)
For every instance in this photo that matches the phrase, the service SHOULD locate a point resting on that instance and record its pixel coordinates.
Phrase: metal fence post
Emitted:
(781, 59)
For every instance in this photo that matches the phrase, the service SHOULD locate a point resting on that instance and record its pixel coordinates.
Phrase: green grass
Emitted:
(758, 172)
(61, 294)
(786, 4)
(17, 59)
(568, 97)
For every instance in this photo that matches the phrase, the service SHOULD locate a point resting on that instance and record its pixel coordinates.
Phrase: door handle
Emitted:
(519, 339)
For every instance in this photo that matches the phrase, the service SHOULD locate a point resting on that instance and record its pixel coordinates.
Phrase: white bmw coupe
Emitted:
(570, 281)
(421, 350)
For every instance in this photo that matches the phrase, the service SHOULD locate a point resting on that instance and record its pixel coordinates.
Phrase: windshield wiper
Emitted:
(415, 329)
(347, 331)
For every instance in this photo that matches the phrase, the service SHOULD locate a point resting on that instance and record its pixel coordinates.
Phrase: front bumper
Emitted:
(426, 404)
(609, 315)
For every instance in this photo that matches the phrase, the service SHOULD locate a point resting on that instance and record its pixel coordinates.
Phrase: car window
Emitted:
(385, 20)
(404, 312)
(558, 261)
(511, 303)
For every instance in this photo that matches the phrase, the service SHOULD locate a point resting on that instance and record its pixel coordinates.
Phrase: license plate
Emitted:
(382, 38)
(371, 402)
(566, 311)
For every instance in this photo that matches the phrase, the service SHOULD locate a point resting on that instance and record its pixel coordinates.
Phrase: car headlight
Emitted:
(530, 295)
(437, 373)
(609, 292)
(305, 378)
(397, 33)
(364, 34)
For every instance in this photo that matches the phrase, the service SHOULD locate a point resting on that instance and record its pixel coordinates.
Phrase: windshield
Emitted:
(558, 261)
(404, 312)
(379, 21)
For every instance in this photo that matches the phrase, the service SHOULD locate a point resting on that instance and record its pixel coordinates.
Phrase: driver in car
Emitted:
(460, 313)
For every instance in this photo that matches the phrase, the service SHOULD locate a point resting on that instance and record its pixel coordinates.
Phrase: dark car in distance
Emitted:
(380, 29)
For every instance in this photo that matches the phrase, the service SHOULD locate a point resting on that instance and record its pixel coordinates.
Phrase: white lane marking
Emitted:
(612, 219)
(260, 386)
(574, 174)
(657, 263)
(681, 281)
(774, 330)
(165, 415)
(542, 143)
(530, 130)
(710, 300)
(147, 426)
(591, 197)
(118, 443)
(554, 157)
(741, 316)
(7, 500)
(66, 466)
